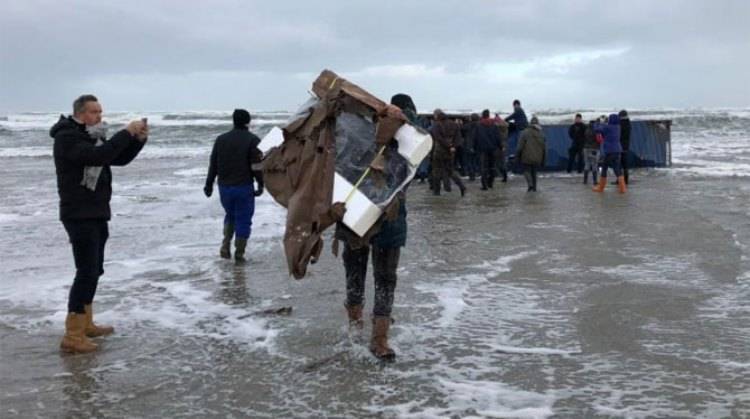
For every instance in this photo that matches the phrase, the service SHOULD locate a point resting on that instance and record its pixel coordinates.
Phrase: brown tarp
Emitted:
(299, 173)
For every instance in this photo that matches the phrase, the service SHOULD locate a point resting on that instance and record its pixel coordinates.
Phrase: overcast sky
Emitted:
(215, 55)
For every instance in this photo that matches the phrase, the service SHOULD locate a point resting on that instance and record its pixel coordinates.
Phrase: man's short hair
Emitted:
(579, 115)
(516, 102)
(486, 113)
(240, 117)
(80, 104)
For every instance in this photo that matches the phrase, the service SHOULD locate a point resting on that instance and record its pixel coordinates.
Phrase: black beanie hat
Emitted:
(403, 102)
(241, 118)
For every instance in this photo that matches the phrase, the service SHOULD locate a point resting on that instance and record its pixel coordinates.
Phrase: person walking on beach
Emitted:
(612, 151)
(487, 142)
(591, 145)
(232, 157)
(384, 241)
(577, 134)
(501, 156)
(83, 157)
(625, 143)
(531, 152)
(447, 137)
(471, 161)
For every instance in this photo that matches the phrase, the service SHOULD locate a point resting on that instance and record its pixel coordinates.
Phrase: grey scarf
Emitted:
(91, 173)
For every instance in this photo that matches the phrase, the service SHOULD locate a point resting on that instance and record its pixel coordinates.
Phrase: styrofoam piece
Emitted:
(413, 143)
(361, 213)
(274, 138)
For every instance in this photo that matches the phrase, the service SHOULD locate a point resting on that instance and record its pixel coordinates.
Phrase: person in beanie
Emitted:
(83, 157)
(531, 152)
(625, 143)
(612, 151)
(232, 158)
(384, 243)
(487, 142)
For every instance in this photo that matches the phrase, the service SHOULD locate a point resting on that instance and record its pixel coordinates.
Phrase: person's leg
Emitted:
(103, 235)
(435, 176)
(484, 168)
(595, 166)
(385, 264)
(527, 176)
(533, 177)
(571, 159)
(355, 268)
(226, 202)
(460, 183)
(624, 162)
(492, 167)
(243, 212)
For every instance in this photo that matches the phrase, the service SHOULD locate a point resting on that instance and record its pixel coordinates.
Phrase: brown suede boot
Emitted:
(621, 185)
(355, 316)
(93, 330)
(75, 340)
(379, 343)
(602, 184)
(225, 252)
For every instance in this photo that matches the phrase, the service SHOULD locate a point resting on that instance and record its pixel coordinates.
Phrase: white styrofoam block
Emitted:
(274, 138)
(361, 213)
(413, 144)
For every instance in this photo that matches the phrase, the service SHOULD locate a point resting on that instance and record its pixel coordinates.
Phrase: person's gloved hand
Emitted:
(208, 190)
(338, 209)
(259, 191)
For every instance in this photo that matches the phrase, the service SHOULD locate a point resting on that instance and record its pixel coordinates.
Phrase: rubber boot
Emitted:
(602, 184)
(379, 343)
(355, 316)
(93, 330)
(226, 244)
(621, 186)
(75, 340)
(239, 250)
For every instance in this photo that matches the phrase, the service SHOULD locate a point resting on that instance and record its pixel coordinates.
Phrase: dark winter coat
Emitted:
(532, 148)
(487, 136)
(625, 133)
(74, 150)
(611, 134)
(232, 157)
(467, 131)
(446, 134)
(519, 118)
(590, 138)
(577, 134)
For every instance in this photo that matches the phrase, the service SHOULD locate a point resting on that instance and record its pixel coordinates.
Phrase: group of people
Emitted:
(479, 147)
(83, 155)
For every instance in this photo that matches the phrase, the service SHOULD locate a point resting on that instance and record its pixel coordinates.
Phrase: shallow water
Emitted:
(563, 303)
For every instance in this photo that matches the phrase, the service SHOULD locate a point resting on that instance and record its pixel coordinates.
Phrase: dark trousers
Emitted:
(239, 207)
(88, 238)
(624, 163)
(489, 167)
(575, 159)
(612, 160)
(384, 265)
(501, 166)
(443, 172)
(529, 172)
(470, 164)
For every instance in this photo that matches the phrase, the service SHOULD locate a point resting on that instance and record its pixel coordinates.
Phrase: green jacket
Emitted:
(532, 148)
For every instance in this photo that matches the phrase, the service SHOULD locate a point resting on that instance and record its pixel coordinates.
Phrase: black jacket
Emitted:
(74, 149)
(625, 134)
(232, 157)
(577, 134)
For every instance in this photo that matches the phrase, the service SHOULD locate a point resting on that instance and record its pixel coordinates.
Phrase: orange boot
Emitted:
(621, 186)
(602, 184)
(75, 340)
(94, 330)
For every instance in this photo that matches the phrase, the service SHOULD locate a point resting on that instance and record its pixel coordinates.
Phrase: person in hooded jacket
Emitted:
(446, 135)
(385, 245)
(577, 134)
(531, 152)
(83, 156)
(232, 157)
(487, 142)
(625, 143)
(612, 151)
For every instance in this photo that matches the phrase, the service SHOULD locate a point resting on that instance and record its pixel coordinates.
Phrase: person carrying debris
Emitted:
(232, 157)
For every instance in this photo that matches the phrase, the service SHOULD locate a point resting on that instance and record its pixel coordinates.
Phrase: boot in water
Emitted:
(226, 244)
(75, 341)
(239, 251)
(93, 330)
(379, 343)
(621, 184)
(602, 184)
(355, 316)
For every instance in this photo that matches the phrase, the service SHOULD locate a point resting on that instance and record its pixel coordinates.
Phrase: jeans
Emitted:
(88, 238)
(612, 160)
(239, 207)
(384, 264)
